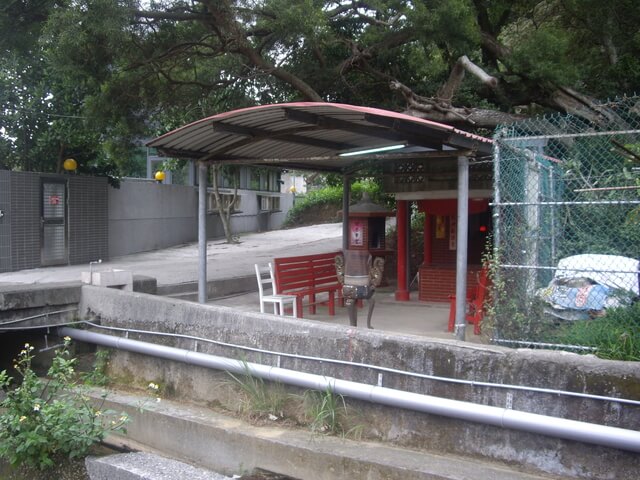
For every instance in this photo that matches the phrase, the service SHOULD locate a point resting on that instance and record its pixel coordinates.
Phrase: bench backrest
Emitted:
(305, 272)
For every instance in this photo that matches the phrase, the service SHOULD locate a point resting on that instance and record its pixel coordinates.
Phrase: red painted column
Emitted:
(402, 290)
(428, 255)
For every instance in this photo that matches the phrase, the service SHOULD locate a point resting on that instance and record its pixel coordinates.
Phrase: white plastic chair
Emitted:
(267, 282)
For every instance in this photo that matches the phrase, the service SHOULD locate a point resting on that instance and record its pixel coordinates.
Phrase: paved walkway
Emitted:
(180, 264)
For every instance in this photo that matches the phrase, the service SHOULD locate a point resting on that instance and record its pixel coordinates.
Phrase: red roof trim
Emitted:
(353, 108)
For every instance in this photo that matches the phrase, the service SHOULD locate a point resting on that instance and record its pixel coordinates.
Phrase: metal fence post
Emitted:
(202, 232)
(461, 246)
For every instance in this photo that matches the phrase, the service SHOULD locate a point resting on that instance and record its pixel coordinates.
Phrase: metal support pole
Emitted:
(202, 232)
(407, 247)
(402, 290)
(461, 246)
(346, 196)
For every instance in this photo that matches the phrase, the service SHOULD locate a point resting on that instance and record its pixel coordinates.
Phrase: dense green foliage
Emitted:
(88, 78)
(615, 336)
(332, 196)
(45, 420)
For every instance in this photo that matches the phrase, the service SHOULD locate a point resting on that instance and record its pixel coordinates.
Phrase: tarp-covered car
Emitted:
(584, 286)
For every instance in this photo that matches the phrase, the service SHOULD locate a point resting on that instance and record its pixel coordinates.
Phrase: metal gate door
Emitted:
(54, 223)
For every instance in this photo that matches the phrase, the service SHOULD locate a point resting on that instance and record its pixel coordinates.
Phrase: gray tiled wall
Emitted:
(88, 219)
(5, 221)
(25, 220)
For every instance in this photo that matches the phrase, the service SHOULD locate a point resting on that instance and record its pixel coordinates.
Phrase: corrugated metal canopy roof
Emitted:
(313, 135)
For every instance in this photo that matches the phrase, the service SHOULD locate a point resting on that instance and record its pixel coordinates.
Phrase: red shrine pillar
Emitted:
(402, 226)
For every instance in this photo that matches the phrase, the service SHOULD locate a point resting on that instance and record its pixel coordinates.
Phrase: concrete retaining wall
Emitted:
(21, 301)
(147, 216)
(553, 370)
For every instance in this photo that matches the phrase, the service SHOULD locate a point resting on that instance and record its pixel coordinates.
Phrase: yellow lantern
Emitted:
(70, 165)
(159, 176)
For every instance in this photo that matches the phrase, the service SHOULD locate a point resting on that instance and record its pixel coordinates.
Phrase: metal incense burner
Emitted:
(359, 276)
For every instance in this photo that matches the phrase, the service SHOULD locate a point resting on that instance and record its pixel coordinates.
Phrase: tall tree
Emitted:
(41, 122)
(138, 68)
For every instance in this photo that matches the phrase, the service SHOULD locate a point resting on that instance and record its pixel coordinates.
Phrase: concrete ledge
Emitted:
(145, 466)
(17, 297)
(204, 437)
(18, 301)
(23, 301)
(215, 288)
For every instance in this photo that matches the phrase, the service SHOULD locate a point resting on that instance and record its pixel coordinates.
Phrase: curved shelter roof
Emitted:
(315, 136)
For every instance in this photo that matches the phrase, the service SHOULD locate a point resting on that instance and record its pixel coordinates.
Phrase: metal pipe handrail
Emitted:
(380, 368)
(612, 437)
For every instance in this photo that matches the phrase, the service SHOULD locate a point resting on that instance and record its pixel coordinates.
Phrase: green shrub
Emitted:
(332, 195)
(44, 420)
(616, 336)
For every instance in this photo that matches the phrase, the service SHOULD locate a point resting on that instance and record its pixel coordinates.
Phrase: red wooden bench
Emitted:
(307, 276)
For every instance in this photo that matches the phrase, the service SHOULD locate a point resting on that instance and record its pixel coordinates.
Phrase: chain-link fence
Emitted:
(566, 221)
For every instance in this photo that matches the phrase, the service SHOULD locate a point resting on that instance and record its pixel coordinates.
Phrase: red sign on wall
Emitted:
(357, 233)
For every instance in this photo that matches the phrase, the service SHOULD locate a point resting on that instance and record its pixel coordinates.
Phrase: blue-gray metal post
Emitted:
(202, 232)
(461, 246)
(346, 196)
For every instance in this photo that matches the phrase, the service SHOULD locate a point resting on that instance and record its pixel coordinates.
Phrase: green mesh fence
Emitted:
(566, 221)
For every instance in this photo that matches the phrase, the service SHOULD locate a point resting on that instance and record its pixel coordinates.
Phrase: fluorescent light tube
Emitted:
(373, 150)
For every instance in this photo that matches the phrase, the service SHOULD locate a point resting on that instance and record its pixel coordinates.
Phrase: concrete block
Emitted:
(122, 279)
(145, 284)
(145, 466)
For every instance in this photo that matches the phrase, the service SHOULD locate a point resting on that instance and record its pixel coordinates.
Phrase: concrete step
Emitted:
(230, 446)
(145, 466)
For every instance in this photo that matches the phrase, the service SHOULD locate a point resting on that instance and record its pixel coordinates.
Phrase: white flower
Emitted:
(158, 399)
(36, 407)
(23, 418)
(153, 386)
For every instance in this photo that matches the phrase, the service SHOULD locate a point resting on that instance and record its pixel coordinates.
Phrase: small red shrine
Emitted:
(437, 273)
(367, 222)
